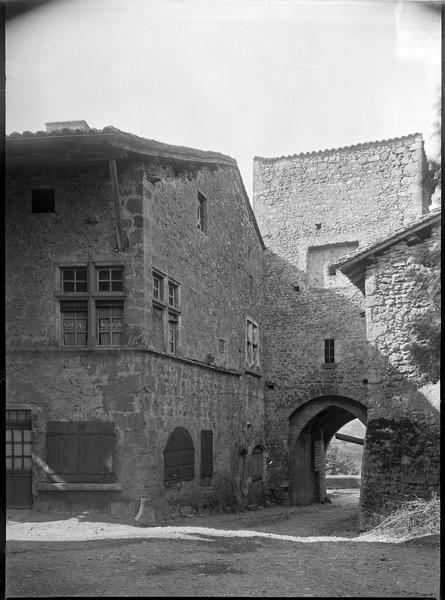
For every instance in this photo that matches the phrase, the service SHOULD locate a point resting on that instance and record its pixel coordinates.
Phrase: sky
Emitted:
(241, 77)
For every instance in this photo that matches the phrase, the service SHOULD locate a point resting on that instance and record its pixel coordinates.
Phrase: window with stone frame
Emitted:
(329, 351)
(165, 313)
(91, 302)
(252, 344)
(222, 352)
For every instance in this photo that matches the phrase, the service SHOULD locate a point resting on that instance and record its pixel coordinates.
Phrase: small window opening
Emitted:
(317, 225)
(332, 270)
(202, 213)
(329, 351)
(222, 352)
(42, 200)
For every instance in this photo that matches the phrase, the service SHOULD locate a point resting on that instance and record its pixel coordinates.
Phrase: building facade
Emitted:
(134, 348)
(400, 277)
(162, 357)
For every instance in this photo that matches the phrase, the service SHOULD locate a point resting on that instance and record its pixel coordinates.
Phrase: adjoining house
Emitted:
(162, 356)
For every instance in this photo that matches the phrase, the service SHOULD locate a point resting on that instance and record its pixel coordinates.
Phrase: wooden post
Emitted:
(349, 438)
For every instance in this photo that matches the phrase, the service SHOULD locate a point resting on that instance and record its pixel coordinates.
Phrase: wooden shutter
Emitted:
(158, 328)
(256, 463)
(206, 453)
(81, 451)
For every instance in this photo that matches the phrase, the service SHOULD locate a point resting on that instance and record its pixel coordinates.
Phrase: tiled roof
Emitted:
(354, 264)
(341, 149)
(144, 145)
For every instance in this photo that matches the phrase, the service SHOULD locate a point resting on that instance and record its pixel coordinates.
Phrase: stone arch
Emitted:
(311, 428)
(179, 457)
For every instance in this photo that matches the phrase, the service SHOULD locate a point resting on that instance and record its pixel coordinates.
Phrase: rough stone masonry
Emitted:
(165, 351)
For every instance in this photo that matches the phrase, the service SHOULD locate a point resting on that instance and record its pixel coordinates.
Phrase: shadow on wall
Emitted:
(309, 399)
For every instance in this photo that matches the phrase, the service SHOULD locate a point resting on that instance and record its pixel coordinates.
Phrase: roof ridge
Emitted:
(113, 129)
(339, 149)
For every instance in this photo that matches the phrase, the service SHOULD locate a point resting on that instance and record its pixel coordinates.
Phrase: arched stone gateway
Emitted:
(311, 428)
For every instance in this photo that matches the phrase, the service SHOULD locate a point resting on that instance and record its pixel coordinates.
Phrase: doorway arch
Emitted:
(311, 428)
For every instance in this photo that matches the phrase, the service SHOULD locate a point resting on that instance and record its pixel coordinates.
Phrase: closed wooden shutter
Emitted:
(206, 453)
(81, 451)
(158, 328)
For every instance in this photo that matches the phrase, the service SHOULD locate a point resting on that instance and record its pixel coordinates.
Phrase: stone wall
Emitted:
(353, 194)
(313, 209)
(145, 392)
(402, 441)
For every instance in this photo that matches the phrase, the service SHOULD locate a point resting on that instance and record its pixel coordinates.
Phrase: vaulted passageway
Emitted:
(311, 428)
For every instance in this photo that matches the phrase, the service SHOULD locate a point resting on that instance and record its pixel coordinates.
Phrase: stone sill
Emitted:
(329, 365)
(121, 349)
(79, 487)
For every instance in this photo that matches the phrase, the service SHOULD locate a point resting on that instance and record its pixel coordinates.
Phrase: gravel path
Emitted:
(298, 551)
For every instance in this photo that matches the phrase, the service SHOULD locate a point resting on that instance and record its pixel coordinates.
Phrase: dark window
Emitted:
(110, 317)
(256, 464)
(74, 322)
(329, 351)
(317, 225)
(110, 279)
(179, 457)
(332, 270)
(42, 200)
(74, 280)
(202, 213)
(81, 451)
(206, 454)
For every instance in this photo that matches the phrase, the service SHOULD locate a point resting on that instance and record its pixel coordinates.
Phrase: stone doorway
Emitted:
(311, 428)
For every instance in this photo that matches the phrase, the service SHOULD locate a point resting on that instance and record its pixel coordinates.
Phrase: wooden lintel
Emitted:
(116, 202)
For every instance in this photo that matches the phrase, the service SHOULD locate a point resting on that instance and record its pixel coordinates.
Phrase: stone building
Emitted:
(400, 277)
(162, 356)
(313, 210)
(134, 297)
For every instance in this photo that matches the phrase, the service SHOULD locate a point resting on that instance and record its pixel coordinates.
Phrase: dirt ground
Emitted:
(278, 551)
